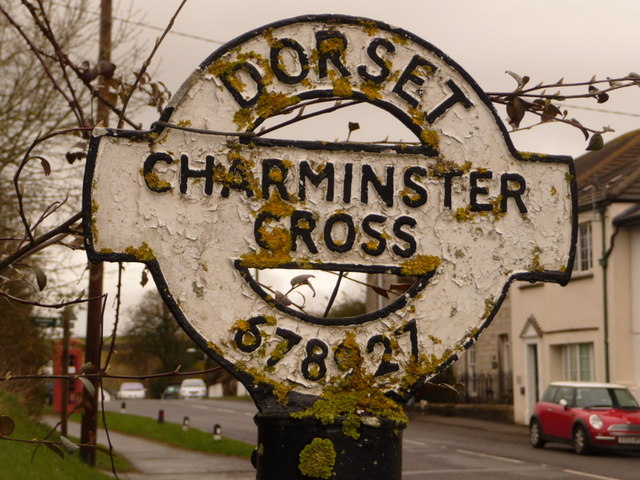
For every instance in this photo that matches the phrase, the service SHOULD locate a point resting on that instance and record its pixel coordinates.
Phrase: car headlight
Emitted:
(596, 422)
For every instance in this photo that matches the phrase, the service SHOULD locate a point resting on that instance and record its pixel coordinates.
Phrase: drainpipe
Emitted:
(604, 263)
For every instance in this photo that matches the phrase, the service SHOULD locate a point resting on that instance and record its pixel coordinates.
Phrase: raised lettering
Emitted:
(384, 190)
(506, 193)
(306, 173)
(408, 76)
(150, 177)
(186, 173)
(419, 198)
(274, 174)
(476, 190)
(332, 47)
(235, 86)
(372, 51)
(278, 67)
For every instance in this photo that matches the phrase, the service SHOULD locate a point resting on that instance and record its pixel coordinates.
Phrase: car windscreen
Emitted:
(193, 383)
(622, 398)
(605, 397)
(131, 386)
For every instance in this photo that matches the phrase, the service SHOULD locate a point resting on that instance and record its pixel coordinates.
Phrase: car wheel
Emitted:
(535, 434)
(581, 441)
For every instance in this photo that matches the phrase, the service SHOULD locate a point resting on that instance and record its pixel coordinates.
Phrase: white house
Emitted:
(590, 329)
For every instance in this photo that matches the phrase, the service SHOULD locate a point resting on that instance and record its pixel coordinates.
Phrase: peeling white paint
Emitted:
(187, 231)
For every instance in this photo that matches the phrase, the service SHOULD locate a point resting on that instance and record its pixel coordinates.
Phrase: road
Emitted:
(435, 448)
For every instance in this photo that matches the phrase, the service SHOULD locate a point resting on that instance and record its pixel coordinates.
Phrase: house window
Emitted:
(577, 359)
(472, 386)
(584, 251)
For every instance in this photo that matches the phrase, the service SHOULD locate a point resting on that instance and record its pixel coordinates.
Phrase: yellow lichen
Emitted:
(417, 116)
(332, 45)
(420, 265)
(400, 40)
(317, 459)
(348, 355)
(276, 206)
(535, 265)
(349, 398)
(271, 103)
(244, 118)
(277, 254)
(280, 390)
(342, 87)
(463, 214)
(431, 138)
(369, 27)
(143, 253)
(489, 305)
(153, 181)
(371, 90)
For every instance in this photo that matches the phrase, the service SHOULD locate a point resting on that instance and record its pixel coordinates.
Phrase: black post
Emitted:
(300, 449)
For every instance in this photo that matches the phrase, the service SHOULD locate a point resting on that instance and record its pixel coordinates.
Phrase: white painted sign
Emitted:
(461, 209)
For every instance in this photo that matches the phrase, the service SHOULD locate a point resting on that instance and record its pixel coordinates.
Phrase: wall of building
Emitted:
(575, 315)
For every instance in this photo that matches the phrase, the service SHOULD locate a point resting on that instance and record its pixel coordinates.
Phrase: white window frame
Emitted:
(577, 362)
(584, 247)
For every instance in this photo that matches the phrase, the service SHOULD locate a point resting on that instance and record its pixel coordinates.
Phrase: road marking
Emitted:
(590, 475)
(204, 407)
(466, 471)
(413, 442)
(225, 410)
(249, 414)
(495, 457)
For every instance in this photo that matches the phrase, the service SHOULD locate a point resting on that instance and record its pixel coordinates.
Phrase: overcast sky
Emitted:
(544, 39)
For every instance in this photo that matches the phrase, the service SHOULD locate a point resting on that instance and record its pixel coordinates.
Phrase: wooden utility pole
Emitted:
(93, 344)
(66, 320)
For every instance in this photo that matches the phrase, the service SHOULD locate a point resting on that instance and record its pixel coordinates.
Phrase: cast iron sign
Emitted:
(203, 200)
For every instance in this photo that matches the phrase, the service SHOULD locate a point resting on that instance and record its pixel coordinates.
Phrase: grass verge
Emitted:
(173, 434)
(15, 458)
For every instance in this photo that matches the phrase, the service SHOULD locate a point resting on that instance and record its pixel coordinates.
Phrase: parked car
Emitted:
(193, 388)
(171, 391)
(131, 390)
(586, 415)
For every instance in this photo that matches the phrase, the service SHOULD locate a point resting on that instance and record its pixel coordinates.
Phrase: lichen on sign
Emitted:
(460, 209)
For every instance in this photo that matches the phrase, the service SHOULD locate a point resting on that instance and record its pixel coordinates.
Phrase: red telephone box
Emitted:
(74, 386)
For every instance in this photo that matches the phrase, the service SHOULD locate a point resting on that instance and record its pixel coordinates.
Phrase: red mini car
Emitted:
(587, 415)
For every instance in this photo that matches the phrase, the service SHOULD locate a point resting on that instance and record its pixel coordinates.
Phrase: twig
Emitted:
(44, 305)
(175, 373)
(299, 118)
(526, 92)
(117, 317)
(33, 246)
(61, 57)
(334, 294)
(44, 65)
(146, 63)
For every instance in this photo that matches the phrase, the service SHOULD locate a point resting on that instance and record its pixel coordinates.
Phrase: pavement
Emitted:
(467, 422)
(159, 461)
